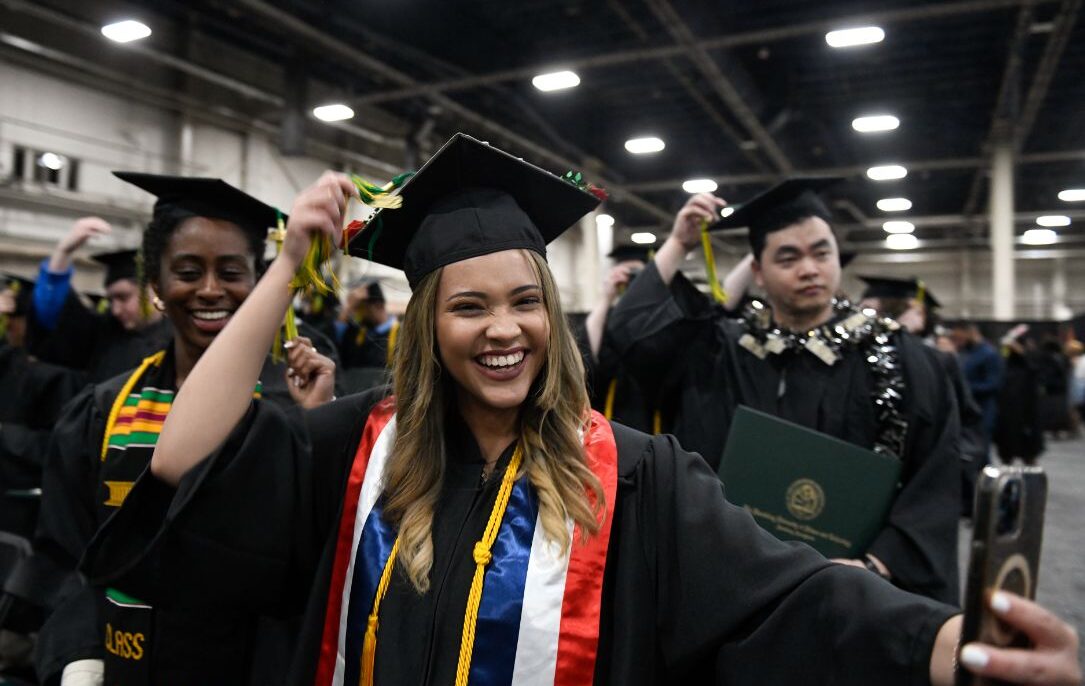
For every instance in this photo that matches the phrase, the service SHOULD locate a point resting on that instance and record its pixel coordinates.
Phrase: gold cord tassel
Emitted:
(483, 556)
(718, 293)
(369, 644)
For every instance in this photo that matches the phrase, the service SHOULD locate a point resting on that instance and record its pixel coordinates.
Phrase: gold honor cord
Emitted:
(710, 265)
(482, 556)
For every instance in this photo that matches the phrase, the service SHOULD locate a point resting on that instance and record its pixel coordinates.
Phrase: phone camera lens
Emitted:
(1009, 507)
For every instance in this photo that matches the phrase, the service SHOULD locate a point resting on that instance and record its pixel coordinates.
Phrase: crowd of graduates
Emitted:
(186, 500)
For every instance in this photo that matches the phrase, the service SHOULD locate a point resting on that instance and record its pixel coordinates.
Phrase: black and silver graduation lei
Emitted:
(849, 328)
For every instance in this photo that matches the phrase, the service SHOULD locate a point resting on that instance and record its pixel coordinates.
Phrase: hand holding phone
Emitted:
(1005, 555)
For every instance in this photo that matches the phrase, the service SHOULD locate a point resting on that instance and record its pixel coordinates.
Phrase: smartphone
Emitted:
(1005, 555)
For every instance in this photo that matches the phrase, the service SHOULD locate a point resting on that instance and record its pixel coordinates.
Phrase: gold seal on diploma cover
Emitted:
(805, 499)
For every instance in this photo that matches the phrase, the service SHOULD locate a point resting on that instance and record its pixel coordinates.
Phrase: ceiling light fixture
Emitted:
(727, 212)
(894, 204)
(875, 123)
(1053, 220)
(1039, 237)
(1072, 195)
(126, 31)
(604, 221)
(556, 81)
(647, 144)
(699, 186)
(901, 241)
(898, 227)
(887, 172)
(335, 112)
(643, 238)
(849, 38)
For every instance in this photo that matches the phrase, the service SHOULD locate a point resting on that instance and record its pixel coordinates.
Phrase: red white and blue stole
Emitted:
(539, 616)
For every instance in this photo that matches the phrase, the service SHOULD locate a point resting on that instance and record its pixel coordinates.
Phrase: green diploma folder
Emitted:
(803, 485)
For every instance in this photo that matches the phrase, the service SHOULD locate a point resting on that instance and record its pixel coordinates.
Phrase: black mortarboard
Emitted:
(624, 253)
(470, 199)
(181, 197)
(885, 287)
(373, 292)
(780, 206)
(120, 264)
(24, 292)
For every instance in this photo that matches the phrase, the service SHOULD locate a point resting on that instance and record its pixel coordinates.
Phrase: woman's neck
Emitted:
(185, 358)
(493, 429)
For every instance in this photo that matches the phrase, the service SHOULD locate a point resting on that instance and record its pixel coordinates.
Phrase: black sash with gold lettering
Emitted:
(129, 625)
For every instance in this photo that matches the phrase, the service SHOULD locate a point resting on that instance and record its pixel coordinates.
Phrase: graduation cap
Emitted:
(373, 292)
(181, 197)
(120, 264)
(24, 292)
(470, 199)
(780, 206)
(624, 253)
(885, 287)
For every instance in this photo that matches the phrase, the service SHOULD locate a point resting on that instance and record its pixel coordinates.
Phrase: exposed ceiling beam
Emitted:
(186, 67)
(720, 84)
(348, 54)
(948, 164)
(65, 66)
(1056, 44)
(620, 58)
(1005, 105)
(692, 90)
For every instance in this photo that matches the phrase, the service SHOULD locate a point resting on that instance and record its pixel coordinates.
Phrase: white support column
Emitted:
(1059, 310)
(1001, 201)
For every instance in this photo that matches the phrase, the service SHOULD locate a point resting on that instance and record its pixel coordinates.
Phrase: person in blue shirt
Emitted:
(65, 331)
(982, 367)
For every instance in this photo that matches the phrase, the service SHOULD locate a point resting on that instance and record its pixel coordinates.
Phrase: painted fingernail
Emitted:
(974, 657)
(1000, 603)
(288, 345)
(290, 371)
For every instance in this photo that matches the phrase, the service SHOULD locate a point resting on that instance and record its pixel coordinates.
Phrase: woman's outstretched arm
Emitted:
(217, 392)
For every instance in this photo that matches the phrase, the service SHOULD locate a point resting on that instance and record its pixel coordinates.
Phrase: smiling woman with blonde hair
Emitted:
(481, 525)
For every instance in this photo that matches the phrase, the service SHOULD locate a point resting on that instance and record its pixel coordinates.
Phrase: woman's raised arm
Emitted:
(217, 392)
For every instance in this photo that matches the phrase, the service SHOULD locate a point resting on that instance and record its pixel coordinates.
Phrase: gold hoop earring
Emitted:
(158, 304)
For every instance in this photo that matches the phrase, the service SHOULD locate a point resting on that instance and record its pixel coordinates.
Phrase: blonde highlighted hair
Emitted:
(551, 419)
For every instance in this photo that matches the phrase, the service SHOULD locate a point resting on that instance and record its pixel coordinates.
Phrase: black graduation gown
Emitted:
(31, 395)
(372, 352)
(95, 343)
(629, 406)
(675, 335)
(200, 637)
(694, 590)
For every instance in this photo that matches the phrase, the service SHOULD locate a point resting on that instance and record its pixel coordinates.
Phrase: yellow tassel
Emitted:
(369, 651)
(710, 266)
(608, 408)
(369, 644)
(390, 354)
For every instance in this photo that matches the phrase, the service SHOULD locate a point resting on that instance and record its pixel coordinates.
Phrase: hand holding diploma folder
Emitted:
(802, 485)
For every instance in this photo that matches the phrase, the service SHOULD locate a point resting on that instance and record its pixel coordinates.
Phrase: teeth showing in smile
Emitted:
(502, 361)
(211, 316)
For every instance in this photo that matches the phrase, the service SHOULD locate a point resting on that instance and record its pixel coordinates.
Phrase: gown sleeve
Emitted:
(766, 611)
(919, 541)
(651, 324)
(65, 525)
(247, 526)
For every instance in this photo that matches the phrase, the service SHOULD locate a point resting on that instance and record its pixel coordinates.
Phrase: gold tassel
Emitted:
(710, 266)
